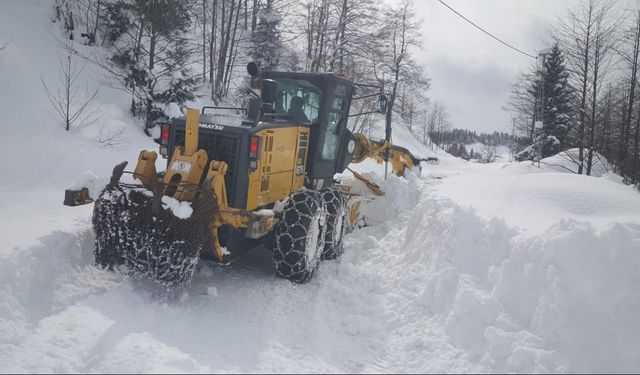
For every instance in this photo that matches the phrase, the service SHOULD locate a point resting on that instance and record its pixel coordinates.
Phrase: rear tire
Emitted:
(299, 236)
(337, 221)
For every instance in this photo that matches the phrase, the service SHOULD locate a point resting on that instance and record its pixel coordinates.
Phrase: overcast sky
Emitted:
(470, 72)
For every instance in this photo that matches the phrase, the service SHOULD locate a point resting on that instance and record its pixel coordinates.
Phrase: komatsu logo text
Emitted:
(211, 126)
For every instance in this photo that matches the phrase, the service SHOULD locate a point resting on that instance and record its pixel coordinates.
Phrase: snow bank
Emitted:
(563, 302)
(534, 199)
(36, 281)
(567, 162)
(429, 286)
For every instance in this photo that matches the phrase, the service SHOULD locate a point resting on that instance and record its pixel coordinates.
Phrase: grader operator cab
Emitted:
(260, 175)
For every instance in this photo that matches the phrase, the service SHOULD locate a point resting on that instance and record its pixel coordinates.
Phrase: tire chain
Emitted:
(336, 204)
(291, 234)
(132, 241)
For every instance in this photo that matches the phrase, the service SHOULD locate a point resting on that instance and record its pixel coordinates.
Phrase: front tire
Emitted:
(300, 236)
(134, 241)
(108, 210)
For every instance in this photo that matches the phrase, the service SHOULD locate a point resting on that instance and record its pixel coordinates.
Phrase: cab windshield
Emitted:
(299, 98)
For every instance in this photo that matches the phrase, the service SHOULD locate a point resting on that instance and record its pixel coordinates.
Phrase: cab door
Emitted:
(332, 130)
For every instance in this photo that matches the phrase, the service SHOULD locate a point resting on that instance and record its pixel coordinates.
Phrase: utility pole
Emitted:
(512, 149)
(539, 112)
(538, 116)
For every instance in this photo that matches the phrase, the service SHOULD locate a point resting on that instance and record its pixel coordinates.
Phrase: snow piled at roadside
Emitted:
(562, 302)
(431, 287)
(567, 161)
(533, 199)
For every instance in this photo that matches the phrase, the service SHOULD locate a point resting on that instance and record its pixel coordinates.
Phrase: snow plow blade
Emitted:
(74, 198)
(137, 236)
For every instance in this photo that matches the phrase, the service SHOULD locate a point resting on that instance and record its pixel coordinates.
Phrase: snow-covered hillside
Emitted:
(502, 267)
(42, 159)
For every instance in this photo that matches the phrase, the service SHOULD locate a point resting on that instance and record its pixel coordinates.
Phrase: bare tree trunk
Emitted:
(254, 15)
(224, 48)
(246, 15)
(338, 40)
(67, 90)
(320, 34)
(342, 44)
(153, 39)
(204, 40)
(95, 27)
(636, 148)
(604, 42)
(227, 78)
(138, 41)
(232, 61)
(583, 102)
(309, 34)
(634, 62)
(594, 104)
(212, 44)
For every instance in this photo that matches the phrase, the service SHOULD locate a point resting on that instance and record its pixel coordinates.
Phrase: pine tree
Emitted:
(266, 41)
(151, 53)
(557, 106)
(553, 85)
(453, 149)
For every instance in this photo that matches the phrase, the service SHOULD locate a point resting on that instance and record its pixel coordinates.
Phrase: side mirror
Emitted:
(382, 102)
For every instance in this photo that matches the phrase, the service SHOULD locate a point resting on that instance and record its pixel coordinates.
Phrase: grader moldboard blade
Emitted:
(136, 236)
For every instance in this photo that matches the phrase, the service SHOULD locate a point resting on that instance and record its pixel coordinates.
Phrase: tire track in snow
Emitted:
(430, 288)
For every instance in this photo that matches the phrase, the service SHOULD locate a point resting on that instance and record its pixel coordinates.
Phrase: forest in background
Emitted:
(166, 52)
(583, 92)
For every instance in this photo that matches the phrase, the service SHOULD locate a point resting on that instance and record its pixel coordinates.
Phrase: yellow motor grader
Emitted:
(260, 175)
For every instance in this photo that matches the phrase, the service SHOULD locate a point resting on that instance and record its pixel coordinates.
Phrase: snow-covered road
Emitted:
(430, 287)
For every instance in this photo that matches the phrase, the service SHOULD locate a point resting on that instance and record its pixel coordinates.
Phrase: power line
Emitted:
(486, 32)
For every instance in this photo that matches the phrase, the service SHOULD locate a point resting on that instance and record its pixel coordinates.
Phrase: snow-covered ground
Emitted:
(466, 268)
(41, 159)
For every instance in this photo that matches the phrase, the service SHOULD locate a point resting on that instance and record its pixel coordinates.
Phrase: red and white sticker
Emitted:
(181, 166)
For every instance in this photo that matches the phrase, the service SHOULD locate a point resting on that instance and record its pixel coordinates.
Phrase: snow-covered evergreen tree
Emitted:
(556, 119)
(557, 93)
(151, 53)
(266, 43)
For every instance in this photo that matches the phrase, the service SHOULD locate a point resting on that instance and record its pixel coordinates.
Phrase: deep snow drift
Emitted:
(431, 286)
(466, 268)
